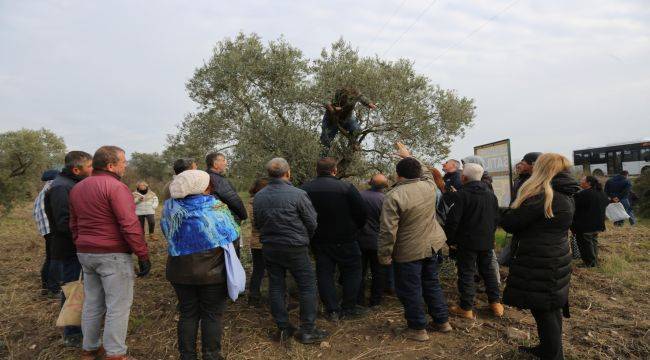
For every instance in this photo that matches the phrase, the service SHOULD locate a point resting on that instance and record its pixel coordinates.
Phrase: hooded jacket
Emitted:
(472, 219)
(619, 186)
(540, 271)
(58, 214)
(590, 211)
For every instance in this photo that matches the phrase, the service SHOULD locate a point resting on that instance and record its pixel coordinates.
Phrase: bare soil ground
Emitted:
(610, 307)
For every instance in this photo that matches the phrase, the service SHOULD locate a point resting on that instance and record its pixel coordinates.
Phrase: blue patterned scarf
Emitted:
(197, 223)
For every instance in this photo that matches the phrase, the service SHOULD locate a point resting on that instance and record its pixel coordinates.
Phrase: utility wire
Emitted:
(381, 30)
(410, 27)
(471, 33)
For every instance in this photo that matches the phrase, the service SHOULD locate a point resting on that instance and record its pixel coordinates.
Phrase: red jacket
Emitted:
(102, 217)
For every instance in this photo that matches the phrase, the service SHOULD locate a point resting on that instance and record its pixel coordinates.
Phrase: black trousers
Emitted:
(379, 273)
(347, 258)
(202, 304)
(48, 279)
(151, 221)
(549, 330)
(279, 259)
(258, 273)
(467, 262)
(588, 245)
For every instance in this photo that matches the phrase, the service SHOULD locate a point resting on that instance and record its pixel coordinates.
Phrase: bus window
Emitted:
(631, 155)
(645, 155)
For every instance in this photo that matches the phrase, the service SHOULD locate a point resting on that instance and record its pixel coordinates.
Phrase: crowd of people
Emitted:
(327, 234)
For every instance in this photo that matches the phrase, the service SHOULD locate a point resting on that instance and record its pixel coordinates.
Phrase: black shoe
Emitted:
(354, 313)
(73, 341)
(314, 336)
(254, 301)
(332, 316)
(530, 350)
(282, 335)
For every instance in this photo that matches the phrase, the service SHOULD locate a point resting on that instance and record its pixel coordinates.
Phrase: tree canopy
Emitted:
(258, 101)
(24, 155)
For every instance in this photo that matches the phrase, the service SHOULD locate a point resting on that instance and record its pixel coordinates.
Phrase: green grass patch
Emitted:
(500, 238)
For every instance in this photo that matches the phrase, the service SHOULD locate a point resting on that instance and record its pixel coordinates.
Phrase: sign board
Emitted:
(498, 159)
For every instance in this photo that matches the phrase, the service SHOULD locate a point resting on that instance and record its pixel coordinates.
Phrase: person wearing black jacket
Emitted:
(373, 198)
(224, 191)
(470, 227)
(524, 171)
(452, 175)
(286, 220)
(589, 218)
(540, 271)
(65, 265)
(341, 214)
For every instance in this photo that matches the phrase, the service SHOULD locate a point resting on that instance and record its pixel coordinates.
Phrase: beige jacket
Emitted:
(408, 228)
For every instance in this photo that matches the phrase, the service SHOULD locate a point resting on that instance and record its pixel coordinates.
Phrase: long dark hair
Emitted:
(594, 183)
(258, 185)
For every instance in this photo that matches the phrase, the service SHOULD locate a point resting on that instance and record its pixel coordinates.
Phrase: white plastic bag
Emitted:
(235, 274)
(616, 212)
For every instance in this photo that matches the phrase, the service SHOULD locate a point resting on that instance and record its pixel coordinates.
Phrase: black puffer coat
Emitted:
(541, 267)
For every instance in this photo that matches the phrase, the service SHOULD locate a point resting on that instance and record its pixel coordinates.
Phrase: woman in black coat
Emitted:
(540, 271)
(589, 218)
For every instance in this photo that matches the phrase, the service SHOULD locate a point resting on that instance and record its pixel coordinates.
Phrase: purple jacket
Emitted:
(368, 236)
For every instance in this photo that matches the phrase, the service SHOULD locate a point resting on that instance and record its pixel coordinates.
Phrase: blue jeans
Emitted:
(108, 296)
(628, 209)
(279, 259)
(415, 281)
(329, 129)
(66, 271)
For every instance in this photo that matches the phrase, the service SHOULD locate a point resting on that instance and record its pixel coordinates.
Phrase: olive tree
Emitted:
(257, 101)
(24, 155)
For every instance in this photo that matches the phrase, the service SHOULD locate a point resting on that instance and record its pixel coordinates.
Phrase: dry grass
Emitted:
(609, 313)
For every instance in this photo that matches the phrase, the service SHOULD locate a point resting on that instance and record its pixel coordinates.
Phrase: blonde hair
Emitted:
(546, 167)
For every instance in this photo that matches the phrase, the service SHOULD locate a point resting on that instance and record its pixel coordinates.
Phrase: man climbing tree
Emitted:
(339, 115)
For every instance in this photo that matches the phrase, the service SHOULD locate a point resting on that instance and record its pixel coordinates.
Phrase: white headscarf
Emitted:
(189, 182)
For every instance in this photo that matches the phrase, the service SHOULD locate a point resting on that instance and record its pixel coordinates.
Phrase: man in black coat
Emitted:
(223, 190)
(524, 170)
(64, 264)
(341, 214)
(374, 199)
(470, 227)
(452, 179)
(589, 218)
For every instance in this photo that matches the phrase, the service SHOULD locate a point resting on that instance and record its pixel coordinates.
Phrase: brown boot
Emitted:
(416, 335)
(119, 357)
(457, 310)
(443, 328)
(98, 354)
(497, 309)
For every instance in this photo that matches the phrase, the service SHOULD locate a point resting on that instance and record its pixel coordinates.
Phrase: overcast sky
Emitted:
(552, 75)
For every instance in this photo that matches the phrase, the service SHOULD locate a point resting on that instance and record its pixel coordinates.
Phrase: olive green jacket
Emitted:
(408, 229)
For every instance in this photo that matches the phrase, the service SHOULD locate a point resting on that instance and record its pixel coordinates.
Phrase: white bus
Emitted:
(612, 159)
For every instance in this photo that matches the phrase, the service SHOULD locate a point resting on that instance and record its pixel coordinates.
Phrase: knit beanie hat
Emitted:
(473, 159)
(189, 182)
(531, 157)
